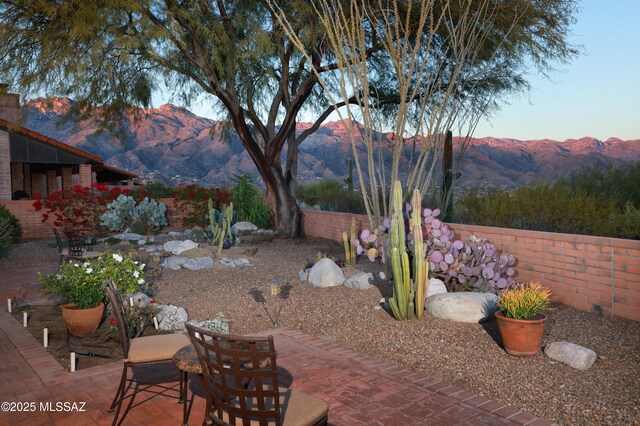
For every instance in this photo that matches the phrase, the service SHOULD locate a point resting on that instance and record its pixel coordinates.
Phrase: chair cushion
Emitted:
(156, 348)
(296, 409)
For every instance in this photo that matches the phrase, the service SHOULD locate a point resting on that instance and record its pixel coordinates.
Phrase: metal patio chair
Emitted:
(76, 251)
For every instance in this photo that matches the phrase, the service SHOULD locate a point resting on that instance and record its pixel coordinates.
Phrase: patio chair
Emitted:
(76, 252)
(139, 351)
(62, 251)
(240, 378)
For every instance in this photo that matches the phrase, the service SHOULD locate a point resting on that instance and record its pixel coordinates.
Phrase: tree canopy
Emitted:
(114, 54)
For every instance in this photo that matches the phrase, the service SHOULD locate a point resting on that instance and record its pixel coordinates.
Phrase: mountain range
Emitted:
(171, 144)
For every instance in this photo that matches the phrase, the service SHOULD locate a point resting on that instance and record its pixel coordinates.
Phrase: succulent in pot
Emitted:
(79, 285)
(520, 317)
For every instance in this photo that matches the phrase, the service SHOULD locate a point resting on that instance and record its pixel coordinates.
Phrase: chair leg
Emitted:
(119, 394)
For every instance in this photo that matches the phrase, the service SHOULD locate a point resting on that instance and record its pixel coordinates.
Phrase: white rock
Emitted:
(142, 241)
(360, 281)
(242, 226)
(225, 261)
(462, 306)
(141, 299)
(177, 247)
(171, 317)
(174, 262)
(176, 234)
(303, 275)
(198, 263)
(325, 273)
(129, 236)
(571, 354)
(436, 286)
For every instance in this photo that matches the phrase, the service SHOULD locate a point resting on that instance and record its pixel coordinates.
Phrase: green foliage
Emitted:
(524, 301)
(124, 211)
(330, 195)
(10, 230)
(248, 201)
(589, 203)
(349, 243)
(220, 224)
(155, 190)
(81, 283)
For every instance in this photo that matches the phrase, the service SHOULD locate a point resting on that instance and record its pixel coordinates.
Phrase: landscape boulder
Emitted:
(171, 317)
(303, 274)
(463, 306)
(243, 227)
(141, 300)
(436, 286)
(225, 261)
(198, 263)
(360, 281)
(177, 247)
(571, 354)
(325, 273)
(175, 262)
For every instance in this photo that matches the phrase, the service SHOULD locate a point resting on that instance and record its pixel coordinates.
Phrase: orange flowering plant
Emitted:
(524, 301)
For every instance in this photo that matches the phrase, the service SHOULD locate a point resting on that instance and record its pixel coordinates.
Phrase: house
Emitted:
(31, 163)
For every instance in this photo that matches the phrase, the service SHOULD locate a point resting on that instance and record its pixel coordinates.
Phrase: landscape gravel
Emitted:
(463, 354)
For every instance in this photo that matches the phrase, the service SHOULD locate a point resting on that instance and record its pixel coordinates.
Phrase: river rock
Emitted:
(243, 227)
(436, 286)
(171, 317)
(462, 306)
(198, 263)
(325, 273)
(571, 354)
(177, 247)
(360, 281)
(175, 262)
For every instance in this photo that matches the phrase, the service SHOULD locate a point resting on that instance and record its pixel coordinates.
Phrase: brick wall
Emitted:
(9, 109)
(594, 274)
(30, 220)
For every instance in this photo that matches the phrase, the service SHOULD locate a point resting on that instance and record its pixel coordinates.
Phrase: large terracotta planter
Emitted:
(521, 337)
(81, 322)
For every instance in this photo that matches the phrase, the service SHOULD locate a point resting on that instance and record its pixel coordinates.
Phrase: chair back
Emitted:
(229, 364)
(120, 315)
(74, 241)
(58, 239)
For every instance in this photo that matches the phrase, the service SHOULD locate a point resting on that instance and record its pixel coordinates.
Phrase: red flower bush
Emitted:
(194, 199)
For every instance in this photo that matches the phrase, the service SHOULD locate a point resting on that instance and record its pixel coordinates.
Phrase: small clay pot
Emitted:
(81, 322)
(521, 337)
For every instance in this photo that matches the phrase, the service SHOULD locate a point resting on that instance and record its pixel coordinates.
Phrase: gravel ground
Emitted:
(467, 355)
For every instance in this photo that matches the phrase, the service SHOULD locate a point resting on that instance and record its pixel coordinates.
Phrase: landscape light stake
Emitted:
(45, 337)
(155, 322)
(25, 317)
(9, 305)
(73, 362)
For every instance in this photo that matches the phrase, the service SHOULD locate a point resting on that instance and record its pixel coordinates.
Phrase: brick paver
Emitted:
(359, 389)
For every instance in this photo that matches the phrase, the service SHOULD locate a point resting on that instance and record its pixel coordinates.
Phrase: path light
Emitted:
(9, 305)
(275, 287)
(155, 322)
(24, 319)
(73, 362)
(45, 337)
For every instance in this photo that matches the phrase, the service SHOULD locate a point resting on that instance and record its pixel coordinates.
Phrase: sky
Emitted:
(597, 94)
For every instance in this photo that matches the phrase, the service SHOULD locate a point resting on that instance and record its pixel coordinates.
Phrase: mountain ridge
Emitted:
(172, 144)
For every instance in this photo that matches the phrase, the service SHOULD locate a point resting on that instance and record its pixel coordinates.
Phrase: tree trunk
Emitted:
(288, 216)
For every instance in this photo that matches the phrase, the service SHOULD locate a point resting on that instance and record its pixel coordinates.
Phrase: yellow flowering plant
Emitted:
(524, 301)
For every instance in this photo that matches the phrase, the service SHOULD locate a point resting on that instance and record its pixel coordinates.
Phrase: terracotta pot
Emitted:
(521, 337)
(81, 322)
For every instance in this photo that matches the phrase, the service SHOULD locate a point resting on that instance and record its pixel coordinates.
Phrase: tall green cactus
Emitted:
(220, 229)
(408, 294)
(349, 244)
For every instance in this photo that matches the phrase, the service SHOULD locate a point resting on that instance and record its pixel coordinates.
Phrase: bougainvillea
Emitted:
(79, 207)
(475, 264)
(193, 200)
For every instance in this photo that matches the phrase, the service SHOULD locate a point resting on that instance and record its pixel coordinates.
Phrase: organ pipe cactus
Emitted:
(408, 294)
(349, 242)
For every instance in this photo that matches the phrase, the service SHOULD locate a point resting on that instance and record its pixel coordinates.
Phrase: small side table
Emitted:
(186, 360)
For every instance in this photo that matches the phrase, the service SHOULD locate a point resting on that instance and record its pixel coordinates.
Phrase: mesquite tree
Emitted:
(114, 54)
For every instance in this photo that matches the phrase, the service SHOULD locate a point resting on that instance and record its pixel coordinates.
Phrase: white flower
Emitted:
(136, 274)
(135, 262)
(89, 270)
(141, 281)
(77, 265)
(85, 264)
(142, 266)
(117, 257)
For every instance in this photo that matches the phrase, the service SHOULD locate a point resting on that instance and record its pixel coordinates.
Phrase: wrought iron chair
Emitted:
(76, 252)
(240, 378)
(62, 251)
(139, 351)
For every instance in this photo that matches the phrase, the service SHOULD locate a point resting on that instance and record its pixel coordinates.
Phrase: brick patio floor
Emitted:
(360, 390)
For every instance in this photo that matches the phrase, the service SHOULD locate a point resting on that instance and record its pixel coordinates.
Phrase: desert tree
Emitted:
(112, 55)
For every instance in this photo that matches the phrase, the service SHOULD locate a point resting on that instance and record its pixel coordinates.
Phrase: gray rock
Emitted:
(171, 317)
(141, 299)
(436, 286)
(187, 233)
(198, 263)
(225, 261)
(242, 227)
(177, 247)
(176, 234)
(142, 241)
(462, 306)
(303, 275)
(360, 281)
(571, 354)
(129, 236)
(325, 273)
(175, 262)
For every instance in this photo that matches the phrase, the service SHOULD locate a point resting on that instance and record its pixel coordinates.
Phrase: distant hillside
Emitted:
(170, 141)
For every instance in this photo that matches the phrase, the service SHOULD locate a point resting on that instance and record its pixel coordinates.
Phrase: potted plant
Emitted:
(520, 317)
(79, 285)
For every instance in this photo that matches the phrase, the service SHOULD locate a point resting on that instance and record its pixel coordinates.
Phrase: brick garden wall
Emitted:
(596, 274)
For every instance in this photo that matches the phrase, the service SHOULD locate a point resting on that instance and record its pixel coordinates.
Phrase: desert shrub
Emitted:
(124, 212)
(618, 183)
(248, 202)
(193, 200)
(330, 195)
(154, 190)
(10, 230)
